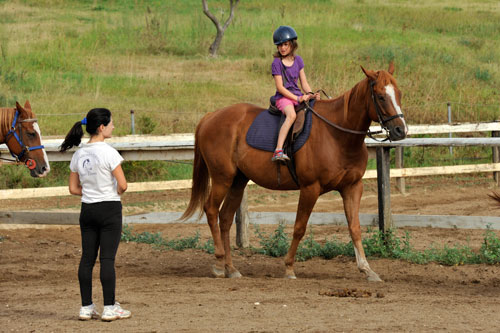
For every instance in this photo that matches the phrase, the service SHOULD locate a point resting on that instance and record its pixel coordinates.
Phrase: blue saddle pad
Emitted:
(263, 133)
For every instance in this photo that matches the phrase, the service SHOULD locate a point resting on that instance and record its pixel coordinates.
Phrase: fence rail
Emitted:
(180, 147)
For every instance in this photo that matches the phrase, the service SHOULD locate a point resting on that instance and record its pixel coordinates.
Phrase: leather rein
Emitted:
(370, 134)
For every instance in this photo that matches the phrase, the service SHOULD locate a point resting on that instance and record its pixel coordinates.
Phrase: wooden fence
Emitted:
(180, 147)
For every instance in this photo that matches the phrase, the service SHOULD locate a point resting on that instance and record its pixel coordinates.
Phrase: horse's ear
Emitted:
(19, 107)
(391, 68)
(27, 104)
(369, 74)
(21, 110)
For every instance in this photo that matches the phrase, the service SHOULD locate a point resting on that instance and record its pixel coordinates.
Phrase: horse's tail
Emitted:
(200, 187)
(495, 196)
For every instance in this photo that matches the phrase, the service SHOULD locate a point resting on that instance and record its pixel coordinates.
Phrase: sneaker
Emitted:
(279, 155)
(88, 312)
(114, 312)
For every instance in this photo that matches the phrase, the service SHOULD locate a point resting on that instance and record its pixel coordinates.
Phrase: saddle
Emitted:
(263, 133)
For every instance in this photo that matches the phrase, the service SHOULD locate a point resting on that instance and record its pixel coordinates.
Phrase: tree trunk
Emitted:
(220, 29)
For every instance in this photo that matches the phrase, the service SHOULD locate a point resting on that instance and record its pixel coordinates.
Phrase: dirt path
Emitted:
(173, 291)
(170, 291)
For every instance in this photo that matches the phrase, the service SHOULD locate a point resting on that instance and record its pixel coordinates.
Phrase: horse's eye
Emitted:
(32, 135)
(382, 98)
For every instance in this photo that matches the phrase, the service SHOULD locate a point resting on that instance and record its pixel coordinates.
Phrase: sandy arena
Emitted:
(170, 291)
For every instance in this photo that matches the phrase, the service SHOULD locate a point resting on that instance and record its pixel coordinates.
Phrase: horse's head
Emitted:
(24, 141)
(385, 106)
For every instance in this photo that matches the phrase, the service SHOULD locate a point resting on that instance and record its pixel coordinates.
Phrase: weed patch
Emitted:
(376, 245)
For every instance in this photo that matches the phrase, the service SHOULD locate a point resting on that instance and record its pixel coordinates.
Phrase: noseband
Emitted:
(12, 132)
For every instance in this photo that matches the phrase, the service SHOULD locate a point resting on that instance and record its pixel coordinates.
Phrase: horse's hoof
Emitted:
(233, 275)
(290, 277)
(373, 277)
(217, 272)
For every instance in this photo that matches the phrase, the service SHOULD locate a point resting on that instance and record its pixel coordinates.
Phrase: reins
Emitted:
(368, 133)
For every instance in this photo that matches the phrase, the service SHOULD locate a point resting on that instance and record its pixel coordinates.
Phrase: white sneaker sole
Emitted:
(115, 318)
(84, 318)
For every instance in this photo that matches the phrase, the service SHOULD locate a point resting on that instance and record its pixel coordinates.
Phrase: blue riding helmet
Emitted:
(283, 34)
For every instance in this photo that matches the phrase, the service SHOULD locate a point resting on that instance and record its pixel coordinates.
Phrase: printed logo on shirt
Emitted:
(89, 164)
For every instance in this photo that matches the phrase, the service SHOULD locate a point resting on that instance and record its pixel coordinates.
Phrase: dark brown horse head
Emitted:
(386, 105)
(25, 141)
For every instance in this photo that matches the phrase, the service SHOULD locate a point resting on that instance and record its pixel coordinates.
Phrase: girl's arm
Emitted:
(305, 85)
(303, 81)
(120, 179)
(74, 184)
(278, 80)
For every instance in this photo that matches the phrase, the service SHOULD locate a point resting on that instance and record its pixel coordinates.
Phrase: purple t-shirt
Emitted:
(291, 75)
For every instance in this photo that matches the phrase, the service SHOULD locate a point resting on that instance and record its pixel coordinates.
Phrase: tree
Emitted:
(220, 29)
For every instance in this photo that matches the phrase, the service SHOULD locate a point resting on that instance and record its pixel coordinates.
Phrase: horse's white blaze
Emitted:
(389, 90)
(37, 129)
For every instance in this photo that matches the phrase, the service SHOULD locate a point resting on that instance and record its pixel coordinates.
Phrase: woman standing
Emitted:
(97, 176)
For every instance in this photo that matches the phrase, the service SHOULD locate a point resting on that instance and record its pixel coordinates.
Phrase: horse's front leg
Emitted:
(308, 197)
(352, 198)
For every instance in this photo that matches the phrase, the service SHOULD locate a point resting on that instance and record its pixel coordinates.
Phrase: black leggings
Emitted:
(101, 227)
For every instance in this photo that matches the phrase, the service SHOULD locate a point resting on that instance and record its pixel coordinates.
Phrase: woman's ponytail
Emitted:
(74, 136)
(95, 118)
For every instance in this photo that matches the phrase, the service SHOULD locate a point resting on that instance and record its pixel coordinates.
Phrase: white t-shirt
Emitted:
(95, 163)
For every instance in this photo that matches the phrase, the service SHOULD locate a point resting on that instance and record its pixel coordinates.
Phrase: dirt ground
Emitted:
(171, 291)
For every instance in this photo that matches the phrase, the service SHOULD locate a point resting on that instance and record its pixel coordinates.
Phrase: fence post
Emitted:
(449, 122)
(496, 157)
(241, 221)
(400, 181)
(132, 121)
(384, 188)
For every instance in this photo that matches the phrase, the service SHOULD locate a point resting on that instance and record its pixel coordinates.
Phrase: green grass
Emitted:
(67, 57)
(375, 244)
(151, 56)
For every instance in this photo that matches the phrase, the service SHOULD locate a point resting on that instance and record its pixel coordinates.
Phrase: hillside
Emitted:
(152, 56)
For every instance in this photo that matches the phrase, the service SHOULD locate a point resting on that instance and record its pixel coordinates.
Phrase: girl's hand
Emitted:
(317, 96)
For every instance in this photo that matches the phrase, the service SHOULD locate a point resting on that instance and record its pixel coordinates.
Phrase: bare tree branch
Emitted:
(220, 30)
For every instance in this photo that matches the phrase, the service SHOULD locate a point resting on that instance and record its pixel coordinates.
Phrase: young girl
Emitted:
(287, 68)
(97, 176)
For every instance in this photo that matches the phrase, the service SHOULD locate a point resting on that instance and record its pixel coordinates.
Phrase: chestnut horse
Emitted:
(333, 158)
(20, 132)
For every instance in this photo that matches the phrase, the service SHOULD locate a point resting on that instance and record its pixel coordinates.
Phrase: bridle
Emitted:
(31, 164)
(382, 119)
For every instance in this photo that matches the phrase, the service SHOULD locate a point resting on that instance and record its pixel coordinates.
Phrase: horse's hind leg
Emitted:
(226, 217)
(217, 194)
(352, 198)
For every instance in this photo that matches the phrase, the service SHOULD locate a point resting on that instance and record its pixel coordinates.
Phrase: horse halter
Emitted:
(31, 164)
(382, 121)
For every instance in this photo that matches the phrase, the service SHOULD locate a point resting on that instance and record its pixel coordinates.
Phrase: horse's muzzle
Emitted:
(397, 133)
(37, 170)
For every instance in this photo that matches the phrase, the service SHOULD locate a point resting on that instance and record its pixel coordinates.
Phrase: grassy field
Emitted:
(67, 56)
(152, 56)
